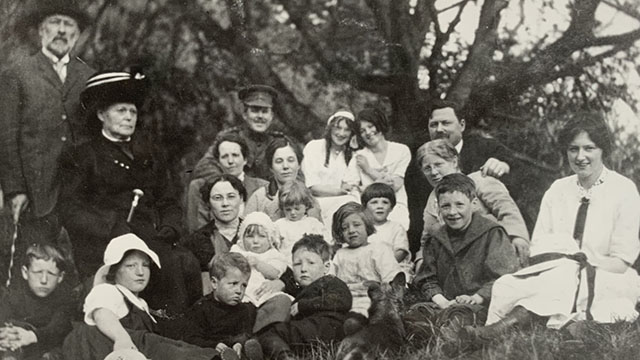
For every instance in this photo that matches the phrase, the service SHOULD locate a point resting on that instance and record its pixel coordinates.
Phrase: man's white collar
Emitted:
(459, 146)
(54, 59)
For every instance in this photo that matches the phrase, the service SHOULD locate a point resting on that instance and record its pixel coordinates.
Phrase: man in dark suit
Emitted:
(476, 152)
(41, 115)
(119, 183)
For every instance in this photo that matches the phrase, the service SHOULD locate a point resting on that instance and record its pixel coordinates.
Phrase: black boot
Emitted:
(519, 317)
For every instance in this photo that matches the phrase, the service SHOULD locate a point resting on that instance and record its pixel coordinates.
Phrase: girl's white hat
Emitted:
(262, 219)
(115, 252)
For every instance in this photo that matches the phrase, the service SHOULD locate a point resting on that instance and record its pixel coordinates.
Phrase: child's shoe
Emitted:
(253, 350)
(228, 354)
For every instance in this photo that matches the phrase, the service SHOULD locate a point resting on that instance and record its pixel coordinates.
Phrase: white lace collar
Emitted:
(586, 193)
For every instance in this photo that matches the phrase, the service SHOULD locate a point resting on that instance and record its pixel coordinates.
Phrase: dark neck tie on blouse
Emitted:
(578, 232)
(581, 217)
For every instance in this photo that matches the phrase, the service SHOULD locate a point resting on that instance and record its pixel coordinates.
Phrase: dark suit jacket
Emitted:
(39, 115)
(98, 180)
(476, 150)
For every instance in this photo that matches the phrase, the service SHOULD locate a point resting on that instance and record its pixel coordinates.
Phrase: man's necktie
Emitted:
(61, 69)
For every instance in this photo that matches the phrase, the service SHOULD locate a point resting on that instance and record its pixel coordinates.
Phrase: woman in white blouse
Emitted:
(325, 164)
(582, 248)
(380, 161)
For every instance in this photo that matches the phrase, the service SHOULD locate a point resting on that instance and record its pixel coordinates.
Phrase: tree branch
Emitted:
(480, 54)
(327, 57)
(627, 9)
(554, 61)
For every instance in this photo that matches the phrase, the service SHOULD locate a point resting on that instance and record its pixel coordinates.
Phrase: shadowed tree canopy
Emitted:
(514, 83)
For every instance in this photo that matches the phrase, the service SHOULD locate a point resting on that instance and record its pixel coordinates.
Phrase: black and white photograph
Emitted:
(319, 179)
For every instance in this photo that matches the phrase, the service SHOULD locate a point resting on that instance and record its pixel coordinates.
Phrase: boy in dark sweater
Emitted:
(221, 320)
(36, 317)
(463, 257)
(321, 302)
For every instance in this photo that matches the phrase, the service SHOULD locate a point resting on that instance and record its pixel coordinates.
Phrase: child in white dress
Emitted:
(360, 260)
(294, 201)
(379, 200)
(259, 240)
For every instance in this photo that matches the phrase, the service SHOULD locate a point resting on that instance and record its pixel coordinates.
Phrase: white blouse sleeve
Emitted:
(544, 223)
(312, 162)
(400, 240)
(624, 239)
(104, 296)
(352, 176)
(402, 157)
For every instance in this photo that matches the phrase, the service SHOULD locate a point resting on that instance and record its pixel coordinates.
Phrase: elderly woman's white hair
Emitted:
(439, 147)
(262, 219)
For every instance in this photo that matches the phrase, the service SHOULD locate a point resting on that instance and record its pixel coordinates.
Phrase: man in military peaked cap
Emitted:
(258, 102)
(41, 115)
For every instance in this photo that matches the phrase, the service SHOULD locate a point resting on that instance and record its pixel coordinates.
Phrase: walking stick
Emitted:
(137, 194)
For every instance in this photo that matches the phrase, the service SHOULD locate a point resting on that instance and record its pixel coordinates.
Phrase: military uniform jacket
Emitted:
(39, 116)
(98, 179)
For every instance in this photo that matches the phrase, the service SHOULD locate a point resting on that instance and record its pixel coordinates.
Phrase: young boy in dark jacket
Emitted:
(463, 257)
(221, 320)
(36, 317)
(321, 302)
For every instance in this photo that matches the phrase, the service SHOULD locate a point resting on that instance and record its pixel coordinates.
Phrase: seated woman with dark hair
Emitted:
(583, 244)
(284, 158)
(224, 196)
(380, 161)
(325, 164)
(232, 153)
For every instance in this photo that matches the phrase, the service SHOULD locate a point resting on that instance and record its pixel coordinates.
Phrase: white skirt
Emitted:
(551, 292)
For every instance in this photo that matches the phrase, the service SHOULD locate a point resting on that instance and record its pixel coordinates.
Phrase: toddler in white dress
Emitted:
(294, 201)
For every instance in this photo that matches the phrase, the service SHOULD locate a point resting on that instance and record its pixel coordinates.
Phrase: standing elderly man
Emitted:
(39, 98)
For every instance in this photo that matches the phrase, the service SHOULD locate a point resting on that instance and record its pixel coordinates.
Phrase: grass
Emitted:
(590, 341)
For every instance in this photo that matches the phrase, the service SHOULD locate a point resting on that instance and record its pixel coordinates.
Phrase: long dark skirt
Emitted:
(87, 342)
